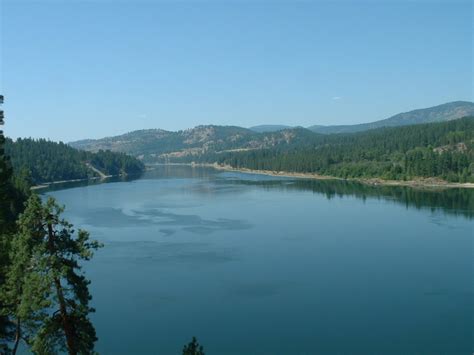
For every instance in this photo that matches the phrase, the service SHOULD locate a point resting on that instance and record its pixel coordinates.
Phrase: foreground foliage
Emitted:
(13, 192)
(44, 297)
(193, 348)
(45, 293)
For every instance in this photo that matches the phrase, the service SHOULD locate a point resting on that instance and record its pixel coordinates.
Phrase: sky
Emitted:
(88, 69)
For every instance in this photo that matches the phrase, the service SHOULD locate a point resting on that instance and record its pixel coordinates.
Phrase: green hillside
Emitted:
(46, 161)
(444, 150)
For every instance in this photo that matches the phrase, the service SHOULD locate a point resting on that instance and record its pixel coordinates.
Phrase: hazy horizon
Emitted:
(223, 125)
(92, 69)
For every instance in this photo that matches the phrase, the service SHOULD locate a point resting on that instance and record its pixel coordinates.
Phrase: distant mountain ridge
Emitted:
(152, 145)
(269, 128)
(440, 113)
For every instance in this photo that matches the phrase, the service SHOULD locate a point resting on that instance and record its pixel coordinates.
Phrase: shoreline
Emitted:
(421, 183)
(48, 184)
(101, 177)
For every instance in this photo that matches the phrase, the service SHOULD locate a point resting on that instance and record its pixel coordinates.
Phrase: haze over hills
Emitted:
(440, 113)
(269, 128)
(153, 145)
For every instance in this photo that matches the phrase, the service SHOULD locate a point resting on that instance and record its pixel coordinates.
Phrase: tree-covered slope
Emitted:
(46, 161)
(445, 112)
(444, 150)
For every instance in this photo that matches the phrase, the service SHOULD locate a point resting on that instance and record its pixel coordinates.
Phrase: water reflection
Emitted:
(453, 201)
(90, 182)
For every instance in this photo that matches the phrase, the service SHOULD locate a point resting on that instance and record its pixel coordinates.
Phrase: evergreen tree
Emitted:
(5, 223)
(193, 348)
(47, 291)
(25, 292)
(10, 204)
(69, 327)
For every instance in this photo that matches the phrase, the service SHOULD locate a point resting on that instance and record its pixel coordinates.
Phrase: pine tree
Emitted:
(6, 227)
(25, 293)
(193, 348)
(48, 292)
(11, 204)
(69, 327)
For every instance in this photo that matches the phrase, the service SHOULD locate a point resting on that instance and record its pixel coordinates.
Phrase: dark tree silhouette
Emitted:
(193, 348)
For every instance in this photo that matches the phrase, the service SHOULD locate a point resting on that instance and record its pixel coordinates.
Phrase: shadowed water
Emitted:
(253, 264)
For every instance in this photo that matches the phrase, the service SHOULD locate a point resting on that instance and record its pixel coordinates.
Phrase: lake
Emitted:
(252, 264)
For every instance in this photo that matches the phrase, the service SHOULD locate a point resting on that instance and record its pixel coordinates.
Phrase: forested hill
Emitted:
(46, 161)
(443, 150)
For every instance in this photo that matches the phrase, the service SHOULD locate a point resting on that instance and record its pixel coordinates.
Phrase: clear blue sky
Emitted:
(88, 69)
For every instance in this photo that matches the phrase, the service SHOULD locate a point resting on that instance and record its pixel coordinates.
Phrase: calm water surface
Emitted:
(259, 265)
